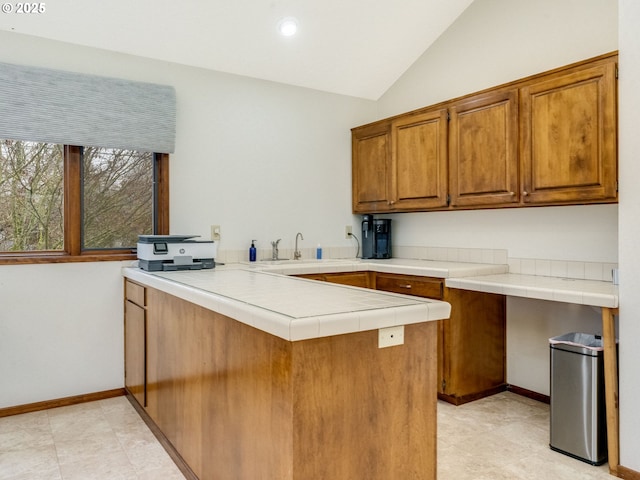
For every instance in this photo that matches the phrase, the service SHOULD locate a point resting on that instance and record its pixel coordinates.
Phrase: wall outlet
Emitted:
(391, 336)
(215, 232)
(348, 230)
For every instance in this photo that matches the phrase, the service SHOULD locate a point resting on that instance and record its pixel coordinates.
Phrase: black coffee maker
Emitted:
(376, 237)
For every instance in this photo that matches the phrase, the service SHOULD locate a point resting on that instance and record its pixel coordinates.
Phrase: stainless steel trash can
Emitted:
(578, 416)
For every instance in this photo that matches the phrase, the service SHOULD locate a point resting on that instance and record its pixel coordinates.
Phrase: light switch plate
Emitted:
(391, 336)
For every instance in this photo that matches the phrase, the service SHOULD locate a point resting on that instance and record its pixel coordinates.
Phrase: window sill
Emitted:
(49, 257)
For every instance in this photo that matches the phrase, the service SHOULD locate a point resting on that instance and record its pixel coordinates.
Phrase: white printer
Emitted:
(158, 253)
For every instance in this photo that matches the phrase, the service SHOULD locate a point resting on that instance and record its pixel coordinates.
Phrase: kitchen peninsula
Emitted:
(340, 346)
(251, 374)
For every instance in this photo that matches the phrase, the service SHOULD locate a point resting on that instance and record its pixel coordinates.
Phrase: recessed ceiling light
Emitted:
(288, 26)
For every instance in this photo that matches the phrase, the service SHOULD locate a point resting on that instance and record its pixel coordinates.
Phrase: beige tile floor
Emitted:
(502, 437)
(505, 436)
(103, 440)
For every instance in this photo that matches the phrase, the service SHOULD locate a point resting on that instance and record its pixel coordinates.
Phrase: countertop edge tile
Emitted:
(271, 322)
(540, 293)
(568, 296)
(568, 290)
(304, 329)
(338, 324)
(374, 319)
(350, 317)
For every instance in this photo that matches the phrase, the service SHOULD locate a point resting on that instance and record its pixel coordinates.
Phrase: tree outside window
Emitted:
(31, 196)
(117, 197)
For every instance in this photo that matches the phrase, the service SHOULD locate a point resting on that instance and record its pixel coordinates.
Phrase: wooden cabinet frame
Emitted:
(548, 139)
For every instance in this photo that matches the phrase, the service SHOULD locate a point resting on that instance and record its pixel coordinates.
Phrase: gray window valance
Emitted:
(44, 105)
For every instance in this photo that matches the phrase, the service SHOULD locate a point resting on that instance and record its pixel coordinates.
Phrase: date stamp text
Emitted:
(24, 8)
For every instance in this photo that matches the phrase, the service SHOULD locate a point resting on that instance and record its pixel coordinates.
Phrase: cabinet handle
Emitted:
(391, 202)
(525, 193)
(405, 286)
(512, 193)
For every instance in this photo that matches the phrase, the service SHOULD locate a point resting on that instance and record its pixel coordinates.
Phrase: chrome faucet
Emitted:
(296, 254)
(274, 251)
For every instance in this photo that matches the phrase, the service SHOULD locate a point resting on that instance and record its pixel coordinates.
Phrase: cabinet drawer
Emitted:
(353, 279)
(135, 293)
(411, 285)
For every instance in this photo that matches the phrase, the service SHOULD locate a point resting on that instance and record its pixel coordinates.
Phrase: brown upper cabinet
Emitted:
(569, 136)
(401, 164)
(371, 145)
(419, 160)
(548, 139)
(484, 150)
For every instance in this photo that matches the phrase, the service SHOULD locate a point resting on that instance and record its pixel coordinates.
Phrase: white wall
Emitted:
(578, 233)
(497, 41)
(530, 323)
(61, 331)
(629, 161)
(260, 159)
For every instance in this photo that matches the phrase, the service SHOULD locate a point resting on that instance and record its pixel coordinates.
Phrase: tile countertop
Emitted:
(490, 278)
(262, 295)
(568, 290)
(425, 268)
(291, 308)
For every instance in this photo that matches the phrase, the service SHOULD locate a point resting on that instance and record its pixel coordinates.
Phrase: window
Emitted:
(62, 200)
(69, 203)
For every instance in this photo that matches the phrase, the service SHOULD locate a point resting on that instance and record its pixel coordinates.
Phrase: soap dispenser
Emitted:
(252, 251)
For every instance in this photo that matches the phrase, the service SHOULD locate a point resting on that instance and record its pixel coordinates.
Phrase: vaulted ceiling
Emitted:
(350, 47)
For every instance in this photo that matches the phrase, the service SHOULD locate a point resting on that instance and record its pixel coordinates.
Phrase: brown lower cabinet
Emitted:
(471, 343)
(135, 373)
(472, 346)
(238, 403)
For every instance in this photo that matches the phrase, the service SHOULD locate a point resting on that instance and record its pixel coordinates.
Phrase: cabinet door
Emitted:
(135, 352)
(484, 150)
(569, 137)
(419, 161)
(371, 150)
(472, 353)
